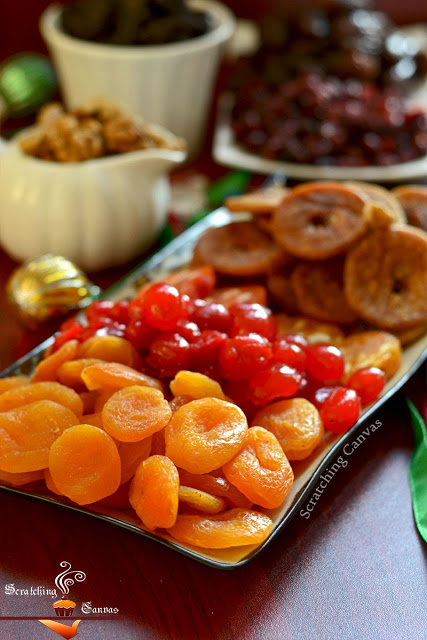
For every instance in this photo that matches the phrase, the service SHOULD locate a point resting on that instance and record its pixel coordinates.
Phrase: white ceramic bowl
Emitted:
(168, 84)
(97, 213)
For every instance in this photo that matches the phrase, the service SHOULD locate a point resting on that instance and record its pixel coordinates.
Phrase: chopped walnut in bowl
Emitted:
(95, 130)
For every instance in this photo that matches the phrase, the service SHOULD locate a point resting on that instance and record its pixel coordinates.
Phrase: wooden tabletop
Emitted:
(355, 569)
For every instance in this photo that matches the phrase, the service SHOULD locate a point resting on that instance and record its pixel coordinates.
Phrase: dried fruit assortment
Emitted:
(97, 129)
(192, 403)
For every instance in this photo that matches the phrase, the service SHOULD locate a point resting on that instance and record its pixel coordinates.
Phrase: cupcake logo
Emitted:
(67, 578)
(64, 608)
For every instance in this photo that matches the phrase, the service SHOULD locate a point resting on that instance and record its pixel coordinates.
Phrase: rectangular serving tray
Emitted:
(175, 255)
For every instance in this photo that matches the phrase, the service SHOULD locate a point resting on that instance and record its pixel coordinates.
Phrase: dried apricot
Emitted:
(50, 483)
(296, 424)
(27, 433)
(70, 373)
(84, 464)
(179, 401)
(134, 413)
(20, 479)
(88, 398)
(261, 470)
(131, 455)
(158, 445)
(320, 220)
(313, 330)
(232, 528)
(114, 375)
(47, 369)
(12, 383)
(215, 485)
(372, 349)
(386, 277)
(95, 419)
(154, 492)
(204, 434)
(196, 385)
(200, 500)
(319, 291)
(102, 399)
(237, 249)
(109, 349)
(54, 391)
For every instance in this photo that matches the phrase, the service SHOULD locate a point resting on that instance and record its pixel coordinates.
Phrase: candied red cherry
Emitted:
(140, 334)
(111, 329)
(206, 348)
(289, 353)
(253, 318)
(162, 306)
(71, 331)
(211, 315)
(188, 330)
(368, 383)
(319, 395)
(168, 354)
(242, 356)
(240, 393)
(100, 309)
(340, 410)
(325, 362)
(121, 311)
(279, 381)
(295, 338)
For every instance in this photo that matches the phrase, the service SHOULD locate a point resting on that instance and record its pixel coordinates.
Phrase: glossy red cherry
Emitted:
(188, 330)
(242, 356)
(253, 318)
(206, 348)
(340, 410)
(278, 381)
(295, 338)
(140, 334)
(162, 306)
(289, 353)
(368, 383)
(168, 354)
(325, 362)
(211, 315)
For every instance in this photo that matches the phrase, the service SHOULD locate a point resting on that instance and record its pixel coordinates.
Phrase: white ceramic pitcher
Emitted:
(98, 213)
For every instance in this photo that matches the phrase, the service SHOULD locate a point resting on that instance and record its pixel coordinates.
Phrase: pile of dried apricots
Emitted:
(189, 402)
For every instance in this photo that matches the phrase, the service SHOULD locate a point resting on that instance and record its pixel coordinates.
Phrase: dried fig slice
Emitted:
(319, 291)
(379, 196)
(385, 277)
(313, 330)
(259, 201)
(413, 199)
(320, 220)
(237, 249)
(279, 284)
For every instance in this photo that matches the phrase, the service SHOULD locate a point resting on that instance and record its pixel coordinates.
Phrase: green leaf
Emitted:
(418, 471)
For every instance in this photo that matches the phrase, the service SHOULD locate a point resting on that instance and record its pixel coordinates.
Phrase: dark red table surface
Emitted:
(355, 570)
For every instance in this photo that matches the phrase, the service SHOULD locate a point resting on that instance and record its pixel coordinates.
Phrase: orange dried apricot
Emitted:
(131, 455)
(134, 413)
(260, 470)
(88, 398)
(12, 383)
(154, 492)
(50, 483)
(84, 464)
(47, 369)
(109, 349)
(372, 349)
(102, 399)
(178, 402)
(113, 375)
(95, 419)
(296, 424)
(158, 445)
(27, 433)
(70, 373)
(20, 479)
(200, 500)
(216, 486)
(204, 434)
(54, 391)
(232, 528)
(196, 385)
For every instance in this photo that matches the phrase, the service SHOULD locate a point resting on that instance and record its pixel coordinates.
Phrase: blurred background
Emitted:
(19, 18)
